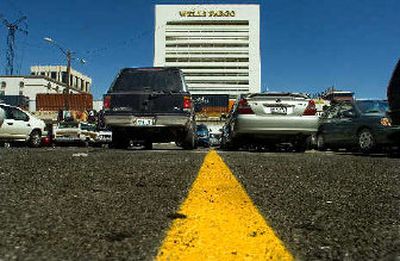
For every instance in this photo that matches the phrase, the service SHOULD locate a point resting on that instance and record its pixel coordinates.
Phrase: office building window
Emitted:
(64, 77)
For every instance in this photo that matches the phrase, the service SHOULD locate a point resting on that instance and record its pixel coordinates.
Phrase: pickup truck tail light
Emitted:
(107, 102)
(187, 103)
(311, 108)
(244, 107)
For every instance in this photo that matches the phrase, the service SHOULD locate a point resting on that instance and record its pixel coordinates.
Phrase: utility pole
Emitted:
(68, 54)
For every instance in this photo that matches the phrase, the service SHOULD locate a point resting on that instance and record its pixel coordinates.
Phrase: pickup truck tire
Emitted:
(148, 145)
(35, 139)
(119, 140)
(189, 142)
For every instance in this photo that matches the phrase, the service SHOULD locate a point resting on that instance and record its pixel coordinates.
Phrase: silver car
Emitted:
(268, 119)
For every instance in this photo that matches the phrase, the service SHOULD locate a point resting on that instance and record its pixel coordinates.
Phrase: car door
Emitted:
(16, 124)
(329, 124)
(345, 124)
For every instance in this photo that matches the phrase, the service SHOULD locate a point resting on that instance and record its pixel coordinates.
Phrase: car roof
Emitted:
(280, 94)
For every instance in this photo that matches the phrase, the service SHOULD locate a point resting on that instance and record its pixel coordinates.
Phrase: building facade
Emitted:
(216, 46)
(78, 81)
(29, 86)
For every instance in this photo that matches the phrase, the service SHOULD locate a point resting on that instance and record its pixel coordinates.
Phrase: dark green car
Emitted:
(362, 124)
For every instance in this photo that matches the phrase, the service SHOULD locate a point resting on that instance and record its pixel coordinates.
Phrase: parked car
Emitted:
(147, 105)
(202, 135)
(19, 125)
(268, 119)
(103, 137)
(362, 124)
(82, 133)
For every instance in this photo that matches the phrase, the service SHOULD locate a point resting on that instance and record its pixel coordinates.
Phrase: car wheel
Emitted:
(148, 145)
(35, 139)
(366, 141)
(321, 146)
(189, 142)
(228, 145)
(119, 141)
(300, 146)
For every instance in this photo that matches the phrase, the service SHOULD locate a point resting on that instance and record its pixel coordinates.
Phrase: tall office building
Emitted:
(216, 46)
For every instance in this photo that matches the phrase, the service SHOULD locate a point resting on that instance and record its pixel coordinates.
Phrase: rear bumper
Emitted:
(285, 125)
(67, 139)
(158, 121)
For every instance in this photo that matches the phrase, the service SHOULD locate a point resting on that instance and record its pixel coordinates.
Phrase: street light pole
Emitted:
(68, 53)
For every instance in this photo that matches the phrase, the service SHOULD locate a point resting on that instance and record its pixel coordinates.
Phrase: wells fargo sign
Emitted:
(216, 13)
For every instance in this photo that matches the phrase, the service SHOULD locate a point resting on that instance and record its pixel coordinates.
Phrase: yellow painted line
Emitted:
(218, 221)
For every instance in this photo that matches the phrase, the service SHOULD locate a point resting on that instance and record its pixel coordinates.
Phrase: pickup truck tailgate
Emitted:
(144, 103)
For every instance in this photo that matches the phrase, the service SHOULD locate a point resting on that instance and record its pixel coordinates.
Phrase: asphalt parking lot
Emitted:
(86, 203)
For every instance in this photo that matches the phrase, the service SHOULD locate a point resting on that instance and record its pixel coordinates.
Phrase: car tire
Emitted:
(366, 141)
(35, 139)
(148, 145)
(321, 146)
(189, 142)
(119, 140)
(300, 146)
(227, 145)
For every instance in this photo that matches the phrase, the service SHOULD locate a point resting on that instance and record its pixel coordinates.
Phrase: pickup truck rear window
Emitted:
(148, 80)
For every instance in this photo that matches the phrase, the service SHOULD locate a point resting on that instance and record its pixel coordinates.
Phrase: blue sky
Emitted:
(306, 45)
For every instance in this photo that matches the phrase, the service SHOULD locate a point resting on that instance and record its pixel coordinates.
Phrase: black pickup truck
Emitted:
(147, 105)
(393, 95)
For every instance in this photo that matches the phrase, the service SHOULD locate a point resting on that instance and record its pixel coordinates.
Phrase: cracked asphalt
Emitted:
(97, 204)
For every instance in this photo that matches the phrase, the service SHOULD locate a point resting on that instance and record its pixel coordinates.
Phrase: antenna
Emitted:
(12, 29)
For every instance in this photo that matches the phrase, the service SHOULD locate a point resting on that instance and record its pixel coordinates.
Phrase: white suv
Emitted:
(19, 125)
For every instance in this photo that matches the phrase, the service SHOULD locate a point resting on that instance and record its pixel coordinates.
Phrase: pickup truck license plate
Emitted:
(144, 122)
(278, 110)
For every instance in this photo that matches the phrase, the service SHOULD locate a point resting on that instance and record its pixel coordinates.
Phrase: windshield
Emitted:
(148, 80)
(373, 106)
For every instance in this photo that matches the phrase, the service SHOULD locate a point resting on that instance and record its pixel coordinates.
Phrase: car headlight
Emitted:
(386, 122)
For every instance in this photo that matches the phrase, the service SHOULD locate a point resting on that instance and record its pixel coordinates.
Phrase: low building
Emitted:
(78, 81)
(43, 79)
(337, 95)
(29, 86)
